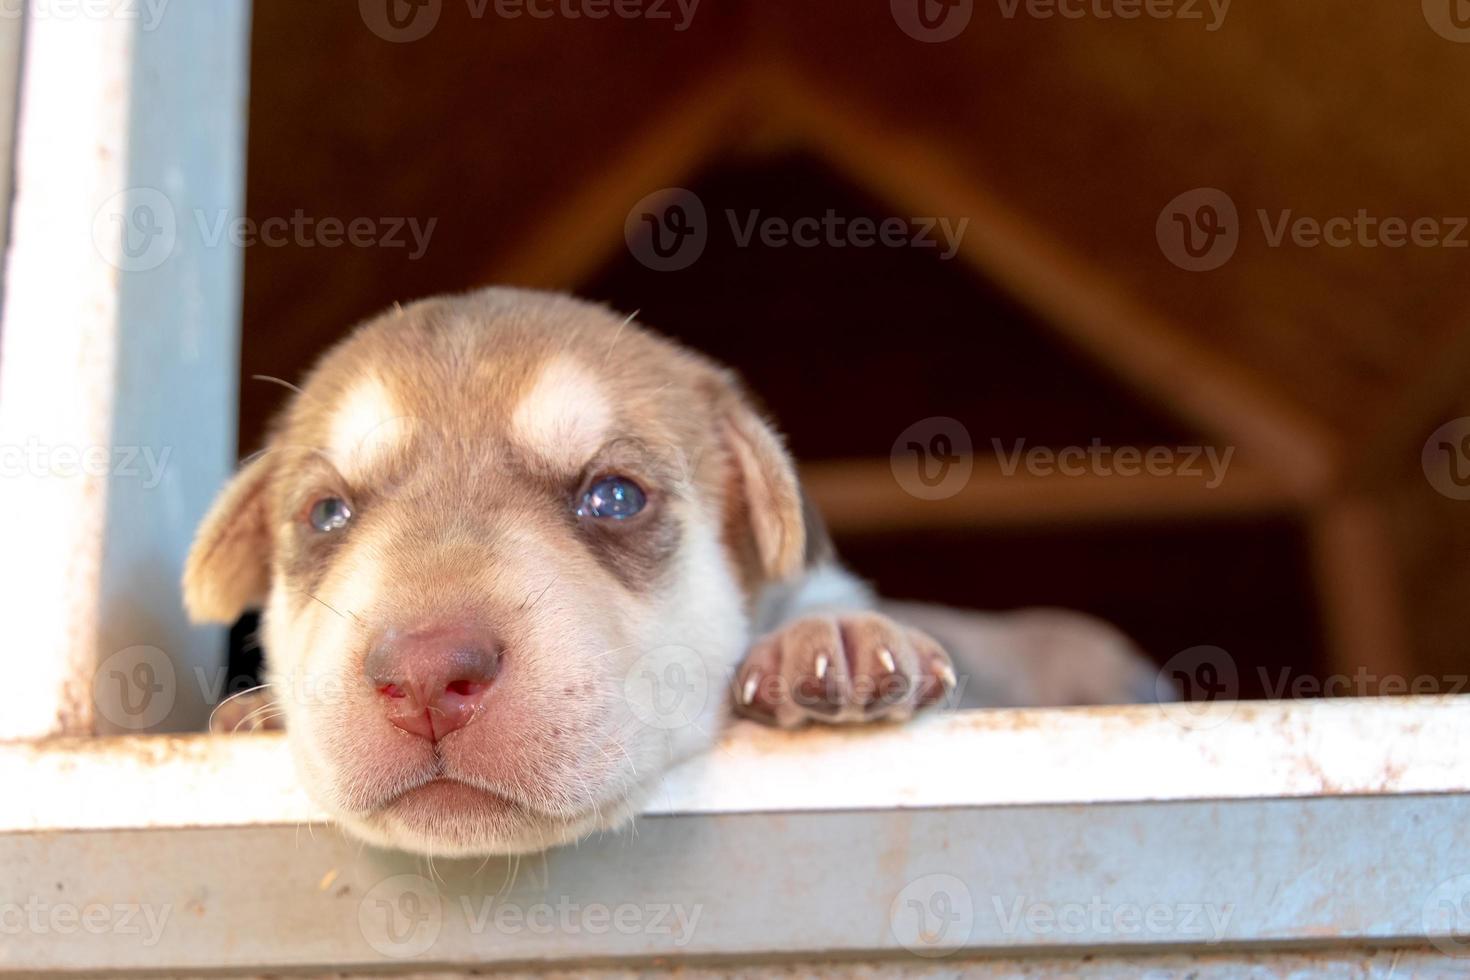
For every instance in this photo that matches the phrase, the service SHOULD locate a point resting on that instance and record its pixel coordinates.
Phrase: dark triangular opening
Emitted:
(849, 345)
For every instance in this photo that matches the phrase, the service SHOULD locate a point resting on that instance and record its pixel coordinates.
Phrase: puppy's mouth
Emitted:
(430, 802)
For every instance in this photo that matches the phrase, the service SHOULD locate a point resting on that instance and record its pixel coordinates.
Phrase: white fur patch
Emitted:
(364, 428)
(703, 616)
(565, 416)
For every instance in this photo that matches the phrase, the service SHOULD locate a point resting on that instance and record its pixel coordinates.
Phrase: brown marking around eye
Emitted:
(305, 555)
(638, 557)
(308, 556)
(636, 550)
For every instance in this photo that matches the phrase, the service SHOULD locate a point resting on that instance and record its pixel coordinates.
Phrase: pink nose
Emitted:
(431, 682)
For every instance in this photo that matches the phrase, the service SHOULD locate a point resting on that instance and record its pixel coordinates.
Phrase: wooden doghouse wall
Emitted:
(1326, 368)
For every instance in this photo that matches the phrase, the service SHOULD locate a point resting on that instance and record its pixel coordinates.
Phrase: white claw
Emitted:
(946, 674)
(821, 666)
(886, 659)
(747, 693)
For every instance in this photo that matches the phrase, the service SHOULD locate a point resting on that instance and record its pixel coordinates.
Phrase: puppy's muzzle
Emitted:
(433, 681)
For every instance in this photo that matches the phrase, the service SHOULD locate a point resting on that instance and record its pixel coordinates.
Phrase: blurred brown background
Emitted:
(1061, 319)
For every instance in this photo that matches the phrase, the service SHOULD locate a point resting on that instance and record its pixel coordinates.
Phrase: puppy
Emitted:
(516, 556)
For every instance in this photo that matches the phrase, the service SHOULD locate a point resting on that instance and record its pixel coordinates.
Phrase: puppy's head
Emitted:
(495, 539)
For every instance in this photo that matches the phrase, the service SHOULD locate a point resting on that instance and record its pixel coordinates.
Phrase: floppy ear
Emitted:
(228, 570)
(763, 492)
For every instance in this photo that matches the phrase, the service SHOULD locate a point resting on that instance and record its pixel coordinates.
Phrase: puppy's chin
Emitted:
(448, 818)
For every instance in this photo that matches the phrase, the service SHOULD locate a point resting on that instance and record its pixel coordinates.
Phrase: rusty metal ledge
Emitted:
(974, 758)
(1256, 830)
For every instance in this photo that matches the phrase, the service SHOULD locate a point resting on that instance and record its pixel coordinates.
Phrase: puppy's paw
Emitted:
(856, 667)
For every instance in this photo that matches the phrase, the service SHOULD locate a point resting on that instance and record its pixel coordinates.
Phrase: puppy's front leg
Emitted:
(828, 656)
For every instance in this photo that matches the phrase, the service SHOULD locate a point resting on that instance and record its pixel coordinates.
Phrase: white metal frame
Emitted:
(1231, 832)
(1322, 827)
(118, 344)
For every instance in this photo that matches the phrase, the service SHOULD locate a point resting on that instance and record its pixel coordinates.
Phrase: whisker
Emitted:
(539, 596)
(618, 335)
(261, 716)
(329, 605)
(277, 381)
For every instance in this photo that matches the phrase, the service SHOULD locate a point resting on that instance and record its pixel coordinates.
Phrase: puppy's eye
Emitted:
(612, 496)
(329, 514)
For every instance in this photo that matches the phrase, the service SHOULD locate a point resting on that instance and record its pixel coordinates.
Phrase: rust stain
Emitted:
(146, 749)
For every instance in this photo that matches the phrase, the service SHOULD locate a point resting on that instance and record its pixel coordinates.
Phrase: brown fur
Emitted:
(463, 432)
(486, 348)
(458, 518)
